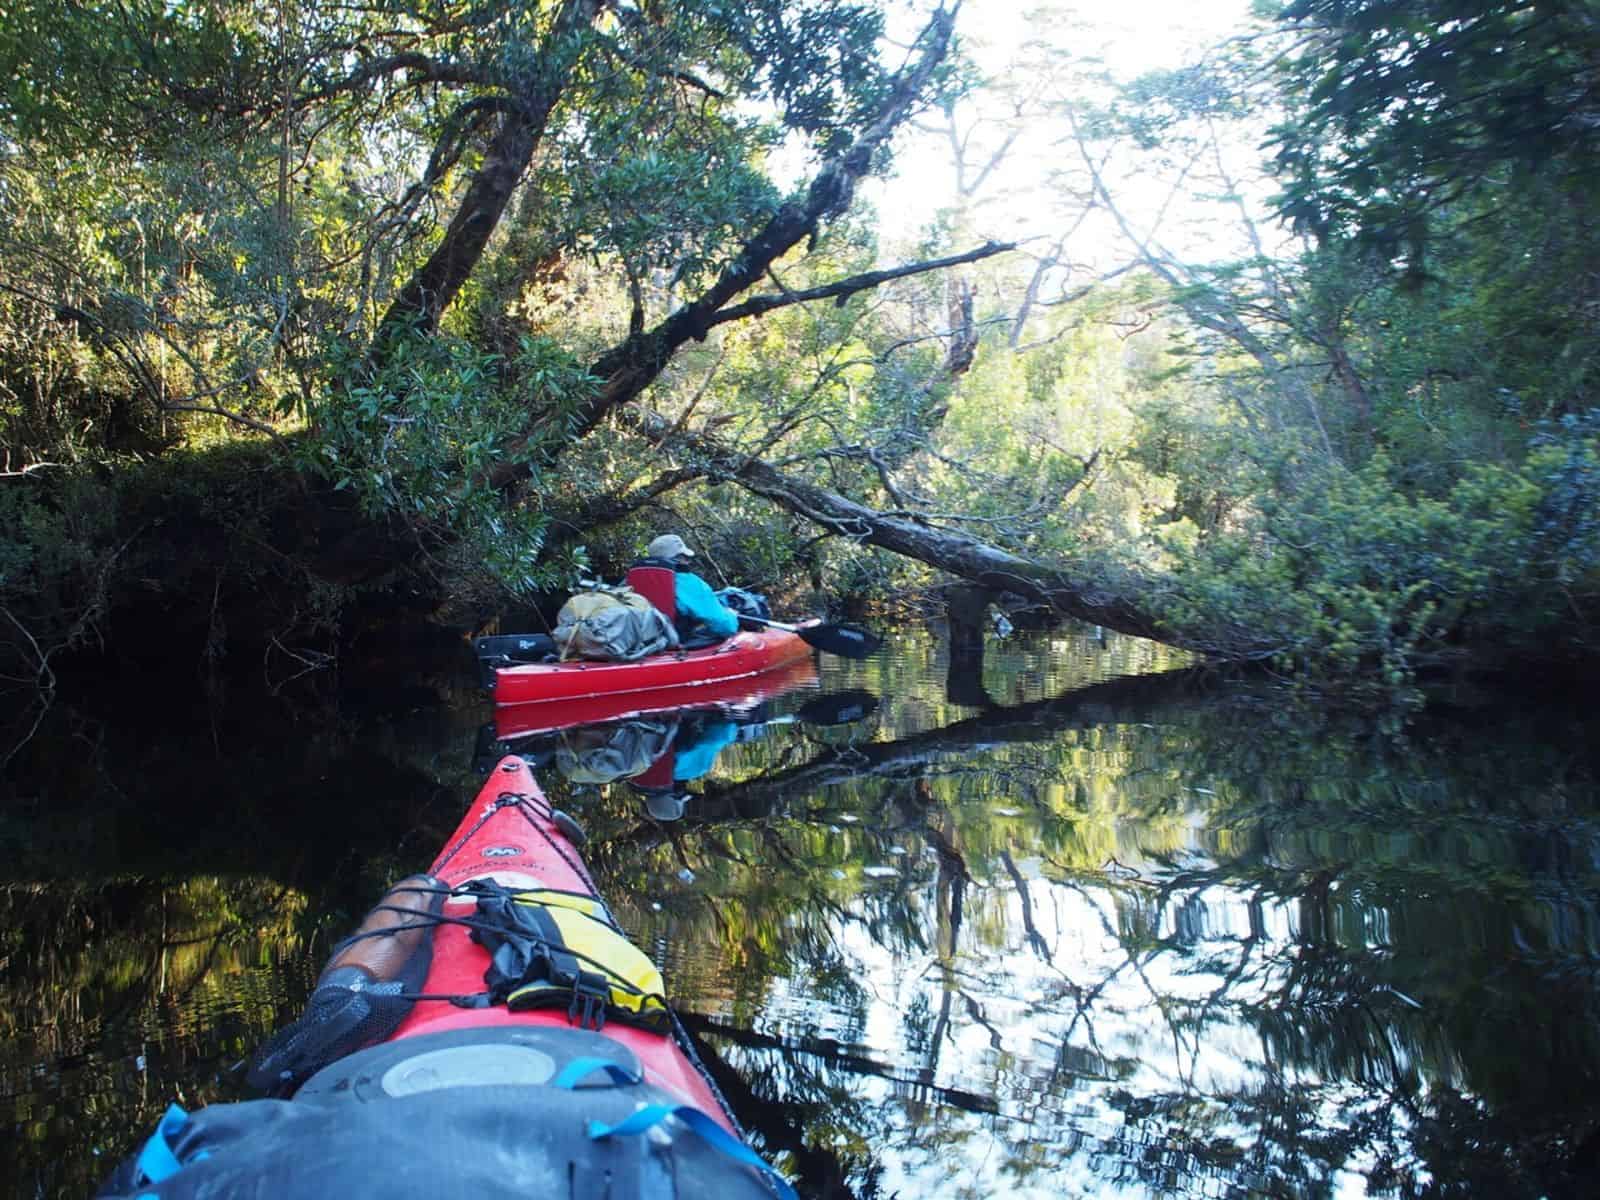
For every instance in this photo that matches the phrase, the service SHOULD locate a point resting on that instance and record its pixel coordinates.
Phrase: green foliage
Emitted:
(417, 437)
(56, 555)
(1502, 337)
(226, 203)
(213, 206)
(1403, 107)
(1351, 576)
(166, 542)
(82, 74)
(1357, 473)
(680, 205)
(817, 60)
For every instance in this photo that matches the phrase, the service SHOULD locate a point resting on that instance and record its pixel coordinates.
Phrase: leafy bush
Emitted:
(56, 552)
(1349, 576)
(417, 436)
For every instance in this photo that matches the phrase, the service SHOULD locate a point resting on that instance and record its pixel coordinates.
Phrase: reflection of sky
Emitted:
(1226, 993)
(1057, 1130)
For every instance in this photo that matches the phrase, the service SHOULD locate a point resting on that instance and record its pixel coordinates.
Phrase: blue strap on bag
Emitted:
(580, 1069)
(158, 1161)
(709, 1131)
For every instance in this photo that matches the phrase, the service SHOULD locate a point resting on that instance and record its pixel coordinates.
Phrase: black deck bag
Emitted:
(480, 1114)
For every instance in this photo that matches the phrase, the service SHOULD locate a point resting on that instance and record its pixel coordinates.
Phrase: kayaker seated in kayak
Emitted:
(699, 615)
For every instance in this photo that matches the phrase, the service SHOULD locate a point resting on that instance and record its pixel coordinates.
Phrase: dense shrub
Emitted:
(1350, 575)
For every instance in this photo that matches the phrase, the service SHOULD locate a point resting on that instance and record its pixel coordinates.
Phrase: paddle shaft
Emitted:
(844, 640)
(770, 624)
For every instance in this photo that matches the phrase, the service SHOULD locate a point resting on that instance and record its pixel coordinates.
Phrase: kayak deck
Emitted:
(746, 653)
(510, 835)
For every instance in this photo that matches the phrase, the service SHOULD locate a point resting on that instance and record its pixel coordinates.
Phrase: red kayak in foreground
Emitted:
(487, 1033)
(747, 653)
(510, 836)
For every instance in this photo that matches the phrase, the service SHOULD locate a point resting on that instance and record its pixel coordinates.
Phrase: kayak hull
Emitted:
(510, 835)
(513, 721)
(386, 1089)
(745, 654)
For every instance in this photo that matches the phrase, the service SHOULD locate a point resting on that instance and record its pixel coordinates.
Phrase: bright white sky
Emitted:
(1133, 36)
(1130, 38)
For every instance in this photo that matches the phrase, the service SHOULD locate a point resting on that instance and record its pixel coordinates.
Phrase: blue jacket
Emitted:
(698, 604)
(695, 760)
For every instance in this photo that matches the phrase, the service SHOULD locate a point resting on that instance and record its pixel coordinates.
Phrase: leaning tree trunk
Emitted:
(630, 367)
(960, 554)
(425, 296)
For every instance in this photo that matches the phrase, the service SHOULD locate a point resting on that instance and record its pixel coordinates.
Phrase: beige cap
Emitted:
(666, 805)
(668, 545)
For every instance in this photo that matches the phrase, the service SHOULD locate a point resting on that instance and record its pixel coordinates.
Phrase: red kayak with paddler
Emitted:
(662, 630)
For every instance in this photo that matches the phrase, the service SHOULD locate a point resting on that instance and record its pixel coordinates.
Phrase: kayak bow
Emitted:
(513, 837)
(487, 1033)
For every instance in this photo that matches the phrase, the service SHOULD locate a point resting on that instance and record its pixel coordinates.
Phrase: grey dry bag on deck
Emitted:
(612, 624)
(500, 1113)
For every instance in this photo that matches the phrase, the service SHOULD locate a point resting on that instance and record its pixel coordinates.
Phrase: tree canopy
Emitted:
(510, 280)
(1402, 110)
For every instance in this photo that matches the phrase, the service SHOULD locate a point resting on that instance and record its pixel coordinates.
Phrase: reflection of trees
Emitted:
(1114, 702)
(80, 957)
(1184, 939)
(814, 1094)
(173, 872)
(175, 968)
(1393, 943)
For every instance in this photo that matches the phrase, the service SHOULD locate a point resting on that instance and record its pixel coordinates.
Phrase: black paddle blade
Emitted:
(838, 708)
(518, 647)
(847, 641)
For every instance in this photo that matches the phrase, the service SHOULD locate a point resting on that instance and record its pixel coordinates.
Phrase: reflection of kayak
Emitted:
(744, 654)
(487, 1032)
(523, 720)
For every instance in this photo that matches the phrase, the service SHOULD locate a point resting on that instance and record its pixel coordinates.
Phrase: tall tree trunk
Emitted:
(429, 292)
(966, 606)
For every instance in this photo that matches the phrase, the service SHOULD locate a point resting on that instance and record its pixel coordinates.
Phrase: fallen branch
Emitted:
(44, 677)
(958, 553)
(8, 473)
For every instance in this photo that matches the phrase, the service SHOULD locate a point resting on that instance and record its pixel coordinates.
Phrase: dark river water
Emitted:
(1072, 924)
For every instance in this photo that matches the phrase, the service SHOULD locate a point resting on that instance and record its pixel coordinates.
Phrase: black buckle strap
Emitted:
(590, 993)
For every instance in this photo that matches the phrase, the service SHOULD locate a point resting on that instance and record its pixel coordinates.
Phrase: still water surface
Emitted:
(1069, 924)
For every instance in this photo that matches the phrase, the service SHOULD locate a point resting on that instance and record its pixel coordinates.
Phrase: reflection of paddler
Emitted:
(701, 737)
(701, 740)
(594, 754)
(655, 754)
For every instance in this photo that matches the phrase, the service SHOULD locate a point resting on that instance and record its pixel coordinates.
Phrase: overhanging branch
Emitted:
(633, 365)
(630, 367)
(844, 288)
(419, 69)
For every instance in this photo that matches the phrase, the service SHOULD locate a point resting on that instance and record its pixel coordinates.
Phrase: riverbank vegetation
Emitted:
(313, 316)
